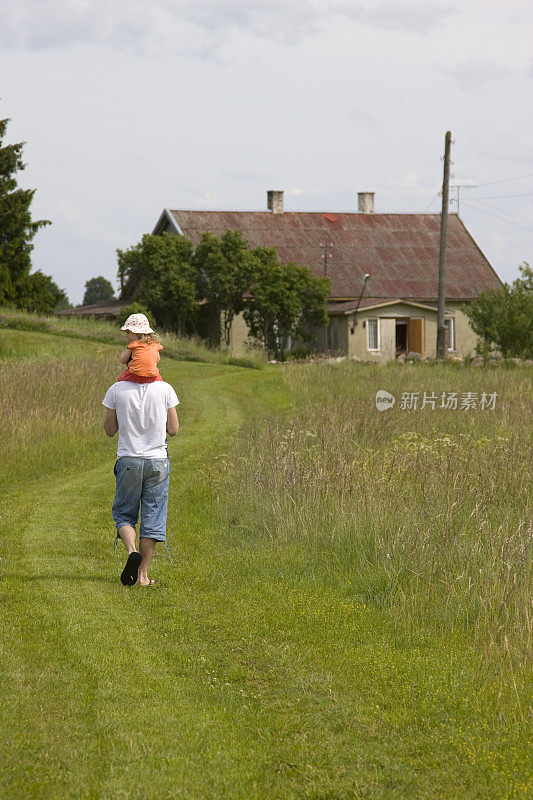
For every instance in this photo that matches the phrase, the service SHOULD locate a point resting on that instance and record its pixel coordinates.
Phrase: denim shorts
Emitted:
(142, 482)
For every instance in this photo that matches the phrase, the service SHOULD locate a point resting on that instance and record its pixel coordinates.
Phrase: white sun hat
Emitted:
(137, 323)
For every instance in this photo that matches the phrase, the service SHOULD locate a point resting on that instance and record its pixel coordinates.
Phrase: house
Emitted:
(395, 309)
(111, 309)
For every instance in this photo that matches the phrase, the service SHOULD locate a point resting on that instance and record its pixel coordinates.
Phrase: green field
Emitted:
(347, 612)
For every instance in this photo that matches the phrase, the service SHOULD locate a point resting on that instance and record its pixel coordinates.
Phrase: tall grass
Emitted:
(108, 332)
(425, 513)
(53, 414)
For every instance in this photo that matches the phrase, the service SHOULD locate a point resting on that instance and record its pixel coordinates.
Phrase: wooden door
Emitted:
(415, 336)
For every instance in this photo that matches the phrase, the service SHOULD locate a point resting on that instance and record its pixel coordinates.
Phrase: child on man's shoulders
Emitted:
(141, 354)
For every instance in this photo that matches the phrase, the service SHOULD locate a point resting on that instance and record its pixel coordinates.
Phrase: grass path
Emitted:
(238, 677)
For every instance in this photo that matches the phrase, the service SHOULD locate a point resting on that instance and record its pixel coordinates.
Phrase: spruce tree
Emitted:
(17, 229)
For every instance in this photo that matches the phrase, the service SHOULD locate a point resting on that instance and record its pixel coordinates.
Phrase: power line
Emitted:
(483, 211)
(501, 196)
(505, 180)
(428, 207)
(502, 211)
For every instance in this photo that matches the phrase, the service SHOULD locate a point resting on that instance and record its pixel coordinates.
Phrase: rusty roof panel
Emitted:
(399, 251)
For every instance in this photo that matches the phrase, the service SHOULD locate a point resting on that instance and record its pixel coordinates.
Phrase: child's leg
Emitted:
(125, 376)
(129, 376)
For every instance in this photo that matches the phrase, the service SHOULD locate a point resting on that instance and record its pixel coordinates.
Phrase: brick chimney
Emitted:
(275, 201)
(365, 202)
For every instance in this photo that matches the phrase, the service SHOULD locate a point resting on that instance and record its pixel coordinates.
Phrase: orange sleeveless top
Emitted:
(143, 359)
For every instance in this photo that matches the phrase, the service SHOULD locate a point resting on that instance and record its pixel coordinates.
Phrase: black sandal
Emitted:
(131, 570)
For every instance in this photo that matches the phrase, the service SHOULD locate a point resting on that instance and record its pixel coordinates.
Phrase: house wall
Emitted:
(321, 338)
(336, 331)
(465, 338)
(344, 333)
(337, 334)
(238, 335)
(332, 337)
(430, 333)
(355, 344)
(167, 228)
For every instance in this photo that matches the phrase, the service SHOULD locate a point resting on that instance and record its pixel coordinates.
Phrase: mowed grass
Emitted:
(306, 642)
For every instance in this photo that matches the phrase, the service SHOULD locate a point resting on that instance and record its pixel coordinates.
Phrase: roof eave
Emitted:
(386, 304)
(167, 216)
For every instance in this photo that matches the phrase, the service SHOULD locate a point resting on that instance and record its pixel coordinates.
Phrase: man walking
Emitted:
(143, 414)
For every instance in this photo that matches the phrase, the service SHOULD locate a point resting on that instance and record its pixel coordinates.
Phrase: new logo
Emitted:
(384, 400)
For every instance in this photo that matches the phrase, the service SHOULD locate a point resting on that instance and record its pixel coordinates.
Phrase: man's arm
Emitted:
(172, 421)
(110, 422)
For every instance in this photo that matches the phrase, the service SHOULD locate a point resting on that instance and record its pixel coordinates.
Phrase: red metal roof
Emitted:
(399, 251)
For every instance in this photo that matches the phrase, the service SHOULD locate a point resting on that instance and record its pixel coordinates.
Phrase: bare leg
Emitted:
(127, 534)
(146, 549)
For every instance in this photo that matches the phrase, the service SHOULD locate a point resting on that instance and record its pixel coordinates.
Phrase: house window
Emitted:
(372, 334)
(451, 333)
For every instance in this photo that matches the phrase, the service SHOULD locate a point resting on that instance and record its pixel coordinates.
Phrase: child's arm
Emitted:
(125, 356)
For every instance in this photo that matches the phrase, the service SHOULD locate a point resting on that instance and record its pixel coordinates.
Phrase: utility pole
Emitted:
(441, 327)
(326, 255)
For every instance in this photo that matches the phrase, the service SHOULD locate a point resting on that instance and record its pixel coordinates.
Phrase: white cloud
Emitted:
(409, 183)
(416, 17)
(83, 226)
(307, 192)
(364, 118)
(475, 73)
(516, 148)
(198, 27)
(207, 200)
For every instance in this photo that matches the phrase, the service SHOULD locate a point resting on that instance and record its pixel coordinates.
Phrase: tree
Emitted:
(98, 290)
(39, 293)
(136, 308)
(158, 273)
(284, 300)
(224, 269)
(503, 318)
(17, 229)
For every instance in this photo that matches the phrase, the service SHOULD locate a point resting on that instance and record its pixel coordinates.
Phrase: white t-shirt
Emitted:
(141, 410)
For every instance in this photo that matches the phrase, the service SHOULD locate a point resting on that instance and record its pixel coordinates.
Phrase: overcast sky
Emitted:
(129, 106)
